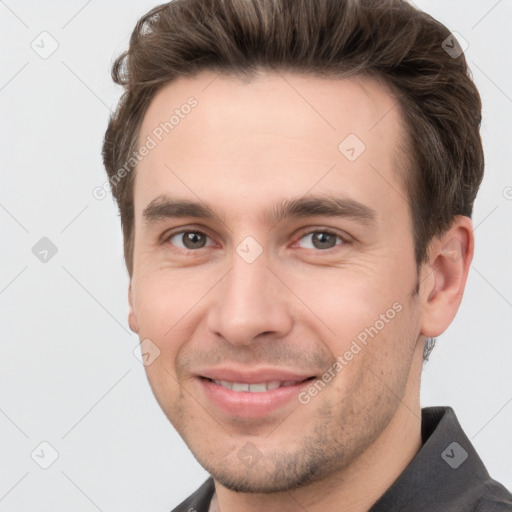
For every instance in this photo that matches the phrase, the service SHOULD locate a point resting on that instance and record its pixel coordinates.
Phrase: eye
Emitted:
(190, 240)
(320, 240)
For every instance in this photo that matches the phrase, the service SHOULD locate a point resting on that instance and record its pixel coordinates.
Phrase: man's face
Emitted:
(295, 264)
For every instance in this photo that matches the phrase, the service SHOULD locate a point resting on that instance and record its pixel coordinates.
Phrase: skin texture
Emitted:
(247, 146)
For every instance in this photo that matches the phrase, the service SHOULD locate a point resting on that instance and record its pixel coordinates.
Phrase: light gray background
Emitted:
(68, 373)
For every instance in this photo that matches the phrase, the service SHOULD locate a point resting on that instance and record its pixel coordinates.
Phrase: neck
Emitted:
(357, 487)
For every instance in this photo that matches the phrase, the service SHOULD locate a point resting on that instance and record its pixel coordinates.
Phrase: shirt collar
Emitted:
(446, 473)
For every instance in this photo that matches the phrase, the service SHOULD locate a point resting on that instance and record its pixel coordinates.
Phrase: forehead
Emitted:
(274, 135)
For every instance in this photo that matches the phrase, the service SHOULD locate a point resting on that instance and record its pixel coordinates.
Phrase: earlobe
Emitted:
(450, 259)
(132, 317)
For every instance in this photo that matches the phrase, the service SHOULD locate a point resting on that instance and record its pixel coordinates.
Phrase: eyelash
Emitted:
(343, 240)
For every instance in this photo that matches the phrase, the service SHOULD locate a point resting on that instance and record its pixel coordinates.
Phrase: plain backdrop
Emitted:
(69, 377)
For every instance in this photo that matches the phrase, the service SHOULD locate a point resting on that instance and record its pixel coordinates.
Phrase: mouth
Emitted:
(257, 387)
(255, 399)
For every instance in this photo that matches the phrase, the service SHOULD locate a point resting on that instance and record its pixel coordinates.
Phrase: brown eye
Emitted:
(189, 240)
(321, 240)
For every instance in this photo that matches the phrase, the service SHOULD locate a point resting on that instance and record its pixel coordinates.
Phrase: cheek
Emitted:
(366, 324)
(346, 301)
(165, 297)
(166, 389)
(373, 363)
(168, 306)
(160, 305)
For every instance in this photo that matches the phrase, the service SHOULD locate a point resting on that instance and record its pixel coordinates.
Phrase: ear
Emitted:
(132, 317)
(444, 276)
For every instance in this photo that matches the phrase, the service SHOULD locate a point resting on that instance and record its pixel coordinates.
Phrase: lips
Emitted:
(252, 375)
(251, 393)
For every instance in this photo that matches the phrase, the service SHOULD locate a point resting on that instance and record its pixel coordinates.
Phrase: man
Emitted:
(295, 181)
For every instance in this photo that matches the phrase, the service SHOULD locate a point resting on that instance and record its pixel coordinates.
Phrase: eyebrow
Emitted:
(167, 207)
(323, 206)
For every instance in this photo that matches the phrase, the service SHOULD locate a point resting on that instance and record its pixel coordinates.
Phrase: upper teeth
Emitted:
(260, 387)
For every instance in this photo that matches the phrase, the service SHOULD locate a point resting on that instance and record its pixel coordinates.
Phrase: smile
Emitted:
(259, 387)
(261, 397)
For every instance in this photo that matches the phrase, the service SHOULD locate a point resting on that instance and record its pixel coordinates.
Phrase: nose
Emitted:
(249, 303)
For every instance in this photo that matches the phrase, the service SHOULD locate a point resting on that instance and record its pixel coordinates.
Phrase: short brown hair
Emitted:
(388, 39)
